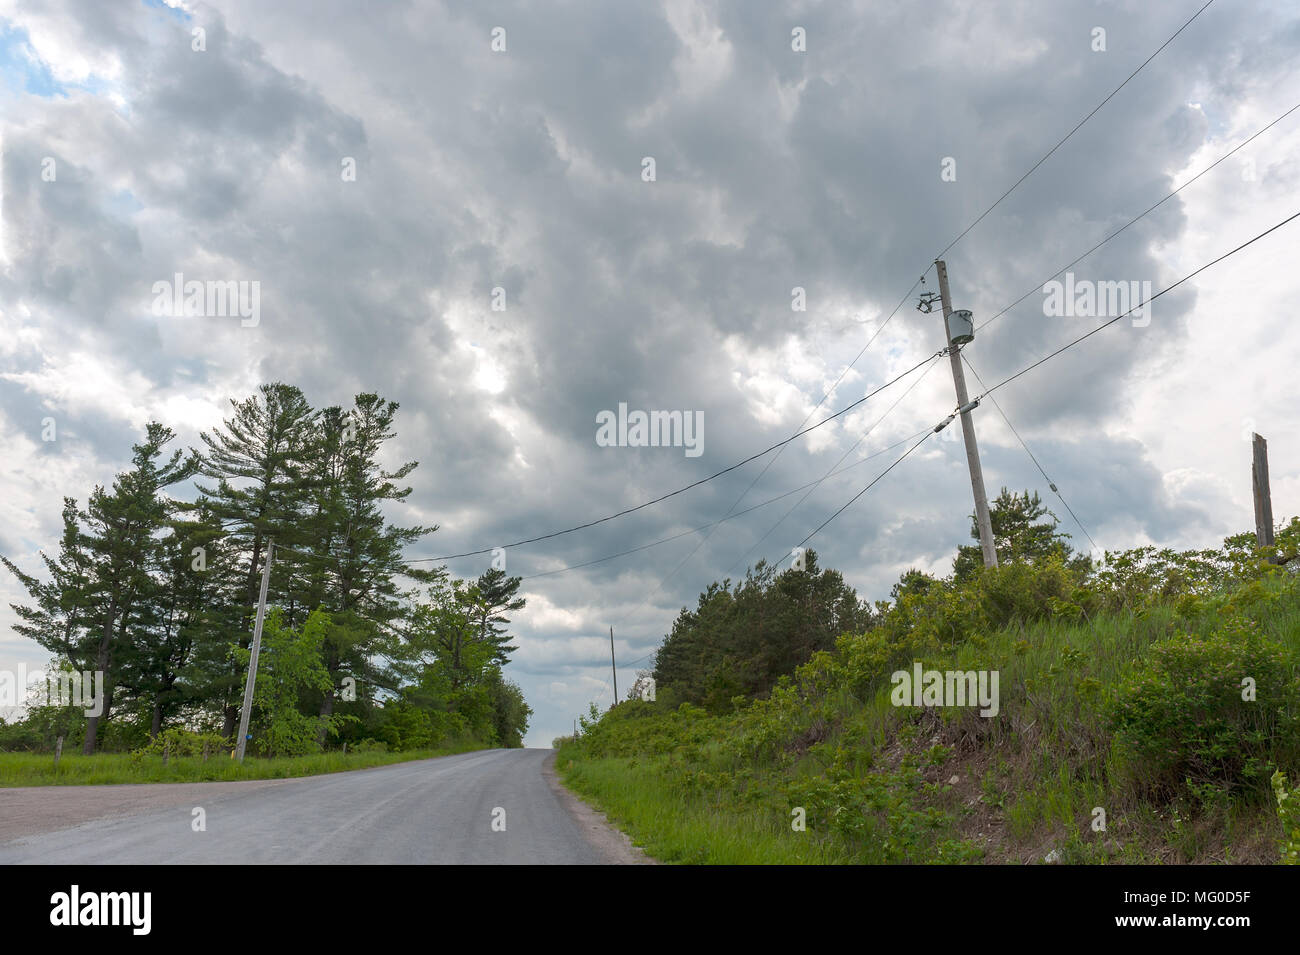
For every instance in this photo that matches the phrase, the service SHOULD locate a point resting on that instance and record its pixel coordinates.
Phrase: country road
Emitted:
(437, 811)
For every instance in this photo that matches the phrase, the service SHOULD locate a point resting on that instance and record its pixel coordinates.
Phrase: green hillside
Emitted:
(1143, 709)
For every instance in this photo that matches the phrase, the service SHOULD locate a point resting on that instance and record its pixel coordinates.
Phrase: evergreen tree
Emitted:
(259, 461)
(493, 596)
(1018, 534)
(740, 640)
(358, 552)
(180, 664)
(98, 608)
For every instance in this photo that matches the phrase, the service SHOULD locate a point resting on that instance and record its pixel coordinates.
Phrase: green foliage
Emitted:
(1018, 535)
(177, 742)
(289, 665)
(1180, 720)
(30, 769)
(1288, 814)
(1120, 687)
(740, 640)
(159, 594)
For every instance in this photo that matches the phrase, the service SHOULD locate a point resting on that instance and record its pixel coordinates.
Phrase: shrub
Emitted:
(1022, 592)
(1288, 813)
(183, 742)
(1180, 720)
(21, 736)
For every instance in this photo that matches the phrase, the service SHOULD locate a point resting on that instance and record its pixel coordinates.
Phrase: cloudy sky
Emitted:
(135, 148)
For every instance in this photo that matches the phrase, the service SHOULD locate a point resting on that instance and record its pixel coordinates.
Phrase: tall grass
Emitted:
(694, 787)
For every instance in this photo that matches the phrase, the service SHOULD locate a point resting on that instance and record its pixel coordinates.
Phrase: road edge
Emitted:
(609, 840)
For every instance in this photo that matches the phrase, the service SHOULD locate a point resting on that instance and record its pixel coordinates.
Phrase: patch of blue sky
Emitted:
(123, 204)
(20, 67)
(22, 70)
(175, 12)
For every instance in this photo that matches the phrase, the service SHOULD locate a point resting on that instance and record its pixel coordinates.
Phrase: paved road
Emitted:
(430, 811)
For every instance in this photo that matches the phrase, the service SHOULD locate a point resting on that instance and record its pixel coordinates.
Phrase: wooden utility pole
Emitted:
(611, 664)
(1263, 499)
(252, 659)
(982, 519)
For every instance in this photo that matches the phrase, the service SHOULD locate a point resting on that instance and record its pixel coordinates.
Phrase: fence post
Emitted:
(58, 751)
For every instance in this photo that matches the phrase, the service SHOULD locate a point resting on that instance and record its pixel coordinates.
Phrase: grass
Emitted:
(673, 828)
(688, 787)
(37, 769)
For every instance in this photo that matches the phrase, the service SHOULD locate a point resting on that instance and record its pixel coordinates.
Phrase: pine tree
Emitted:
(357, 553)
(182, 663)
(97, 608)
(259, 459)
(1018, 534)
(493, 596)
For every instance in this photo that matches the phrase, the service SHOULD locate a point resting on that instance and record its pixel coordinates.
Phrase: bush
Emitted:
(1022, 592)
(1288, 813)
(1180, 720)
(21, 736)
(183, 742)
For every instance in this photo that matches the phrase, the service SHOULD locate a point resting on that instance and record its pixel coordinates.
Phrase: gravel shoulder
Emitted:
(611, 841)
(31, 810)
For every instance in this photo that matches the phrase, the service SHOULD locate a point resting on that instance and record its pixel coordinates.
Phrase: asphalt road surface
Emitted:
(430, 811)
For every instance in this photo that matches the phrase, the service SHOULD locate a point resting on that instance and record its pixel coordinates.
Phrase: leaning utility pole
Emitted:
(967, 425)
(611, 664)
(252, 660)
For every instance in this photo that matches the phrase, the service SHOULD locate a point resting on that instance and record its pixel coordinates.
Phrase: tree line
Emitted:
(743, 636)
(158, 592)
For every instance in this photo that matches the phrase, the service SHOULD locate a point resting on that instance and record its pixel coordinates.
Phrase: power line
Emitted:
(532, 540)
(874, 481)
(1107, 324)
(729, 517)
(1075, 130)
(1050, 483)
(850, 501)
(673, 573)
(983, 214)
(781, 445)
(988, 392)
(1136, 218)
(829, 473)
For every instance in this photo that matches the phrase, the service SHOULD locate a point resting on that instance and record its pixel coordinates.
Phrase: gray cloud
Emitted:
(522, 171)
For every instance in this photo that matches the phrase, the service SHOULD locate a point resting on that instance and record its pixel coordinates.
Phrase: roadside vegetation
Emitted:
(39, 769)
(147, 603)
(1149, 712)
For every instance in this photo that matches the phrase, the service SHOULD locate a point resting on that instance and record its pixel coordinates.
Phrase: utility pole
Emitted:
(1263, 497)
(252, 660)
(611, 664)
(967, 426)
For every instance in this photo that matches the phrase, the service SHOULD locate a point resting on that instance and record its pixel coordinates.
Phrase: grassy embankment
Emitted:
(1121, 694)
